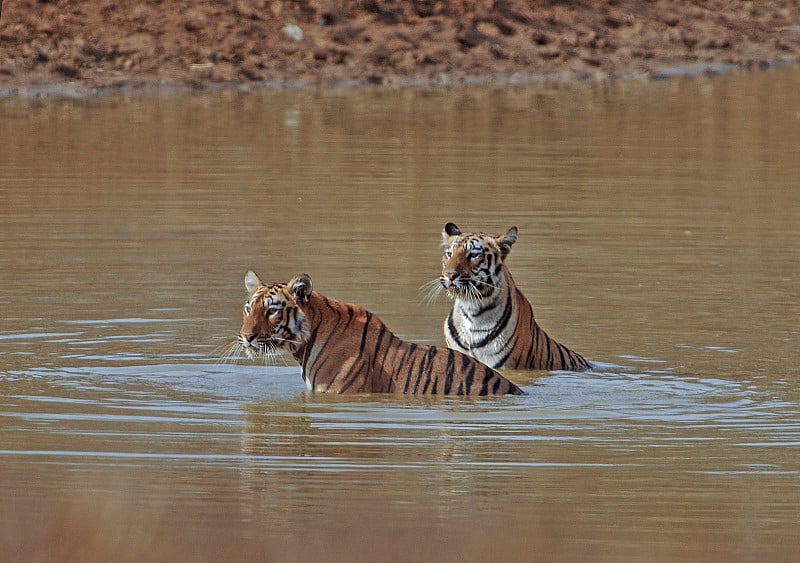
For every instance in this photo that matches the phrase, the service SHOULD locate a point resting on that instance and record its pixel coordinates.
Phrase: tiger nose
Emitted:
(450, 274)
(249, 337)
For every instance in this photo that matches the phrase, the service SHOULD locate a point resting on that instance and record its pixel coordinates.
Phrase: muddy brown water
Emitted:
(659, 227)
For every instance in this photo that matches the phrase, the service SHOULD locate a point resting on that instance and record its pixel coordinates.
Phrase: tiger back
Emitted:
(343, 348)
(491, 319)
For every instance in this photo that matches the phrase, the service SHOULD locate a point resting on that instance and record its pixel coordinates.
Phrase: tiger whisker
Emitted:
(279, 355)
(228, 353)
(487, 284)
(274, 355)
(432, 290)
(222, 349)
(472, 292)
(290, 341)
(235, 355)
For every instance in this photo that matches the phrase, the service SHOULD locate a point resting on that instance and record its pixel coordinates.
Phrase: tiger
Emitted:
(344, 348)
(491, 319)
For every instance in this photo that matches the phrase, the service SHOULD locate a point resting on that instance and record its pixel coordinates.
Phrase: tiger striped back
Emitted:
(343, 348)
(491, 319)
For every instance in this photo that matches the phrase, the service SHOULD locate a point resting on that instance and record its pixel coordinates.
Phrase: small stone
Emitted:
(293, 32)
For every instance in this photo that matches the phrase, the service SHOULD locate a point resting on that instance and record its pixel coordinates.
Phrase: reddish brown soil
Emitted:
(113, 43)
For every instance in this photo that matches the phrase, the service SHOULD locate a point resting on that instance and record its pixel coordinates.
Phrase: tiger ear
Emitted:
(450, 230)
(506, 241)
(301, 288)
(252, 281)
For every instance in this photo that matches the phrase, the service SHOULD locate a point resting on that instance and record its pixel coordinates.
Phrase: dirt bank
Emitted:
(117, 43)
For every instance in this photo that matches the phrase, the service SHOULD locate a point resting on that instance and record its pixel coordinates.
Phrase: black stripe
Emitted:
(389, 346)
(509, 346)
(364, 334)
(449, 371)
(504, 359)
(451, 328)
(486, 308)
(424, 365)
(465, 362)
(540, 343)
(561, 349)
(428, 370)
(411, 353)
(468, 377)
(545, 352)
(498, 328)
(381, 334)
(487, 373)
(420, 368)
(579, 361)
(533, 328)
(312, 337)
(312, 354)
(393, 346)
(350, 378)
(434, 375)
(546, 339)
(428, 380)
(320, 355)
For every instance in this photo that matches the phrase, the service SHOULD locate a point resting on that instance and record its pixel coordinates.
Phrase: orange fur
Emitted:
(344, 348)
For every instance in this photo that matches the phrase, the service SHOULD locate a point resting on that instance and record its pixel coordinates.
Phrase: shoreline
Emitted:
(79, 91)
(57, 48)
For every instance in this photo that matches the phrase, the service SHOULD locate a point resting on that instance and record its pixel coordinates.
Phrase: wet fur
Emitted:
(343, 348)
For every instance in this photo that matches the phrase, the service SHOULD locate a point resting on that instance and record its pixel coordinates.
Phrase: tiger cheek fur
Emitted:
(254, 334)
(455, 269)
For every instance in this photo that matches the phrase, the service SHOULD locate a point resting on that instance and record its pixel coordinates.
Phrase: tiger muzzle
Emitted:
(450, 278)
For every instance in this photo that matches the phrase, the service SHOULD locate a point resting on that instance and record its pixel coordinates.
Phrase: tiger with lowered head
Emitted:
(344, 348)
(491, 319)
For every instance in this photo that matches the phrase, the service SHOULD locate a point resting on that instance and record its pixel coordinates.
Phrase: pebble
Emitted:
(293, 32)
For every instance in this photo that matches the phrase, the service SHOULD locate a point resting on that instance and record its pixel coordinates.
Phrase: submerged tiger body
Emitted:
(491, 319)
(344, 348)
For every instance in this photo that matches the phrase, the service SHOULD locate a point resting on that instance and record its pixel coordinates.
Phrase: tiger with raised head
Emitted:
(491, 319)
(344, 348)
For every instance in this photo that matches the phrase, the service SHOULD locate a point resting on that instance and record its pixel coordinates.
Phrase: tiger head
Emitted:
(272, 318)
(472, 266)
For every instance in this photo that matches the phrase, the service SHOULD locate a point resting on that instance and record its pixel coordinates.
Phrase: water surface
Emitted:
(658, 237)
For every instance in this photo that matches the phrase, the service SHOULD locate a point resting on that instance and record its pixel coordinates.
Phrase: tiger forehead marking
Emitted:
(262, 300)
(466, 247)
(265, 297)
